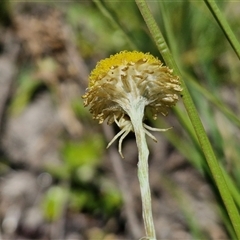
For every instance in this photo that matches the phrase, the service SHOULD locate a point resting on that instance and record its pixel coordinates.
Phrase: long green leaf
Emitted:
(224, 25)
(194, 117)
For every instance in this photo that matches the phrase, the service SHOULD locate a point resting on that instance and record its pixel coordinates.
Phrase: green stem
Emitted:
(194, 118)
(136, 113)
(213, 99)
(221, 20)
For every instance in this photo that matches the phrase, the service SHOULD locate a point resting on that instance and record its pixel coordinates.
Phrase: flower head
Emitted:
(117, 79)
(125, 80)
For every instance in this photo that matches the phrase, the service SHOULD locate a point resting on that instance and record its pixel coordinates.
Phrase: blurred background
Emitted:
(57, 180)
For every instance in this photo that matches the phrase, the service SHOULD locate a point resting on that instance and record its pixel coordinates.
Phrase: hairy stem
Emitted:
(136, 113)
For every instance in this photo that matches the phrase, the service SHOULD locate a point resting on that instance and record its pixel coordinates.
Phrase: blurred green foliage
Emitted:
(53, 203)
(212, 74)
(94, 33)
(87, 188)
(25, 88)
(5, 13)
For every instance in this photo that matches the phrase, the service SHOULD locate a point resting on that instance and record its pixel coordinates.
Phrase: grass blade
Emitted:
(194, 117)
(224, 25)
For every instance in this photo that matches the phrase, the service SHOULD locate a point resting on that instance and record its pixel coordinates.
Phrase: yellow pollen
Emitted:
(119, 59)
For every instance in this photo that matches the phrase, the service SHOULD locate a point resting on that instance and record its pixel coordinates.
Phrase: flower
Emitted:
(125, 81)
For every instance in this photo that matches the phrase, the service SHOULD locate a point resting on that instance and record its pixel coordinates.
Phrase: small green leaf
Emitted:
(87, 152)
(53, 203)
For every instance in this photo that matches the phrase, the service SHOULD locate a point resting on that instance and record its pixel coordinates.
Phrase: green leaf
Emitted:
(88, 152)
(54, 202)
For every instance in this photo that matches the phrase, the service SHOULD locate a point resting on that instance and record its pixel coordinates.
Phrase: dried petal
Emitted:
(117, 80)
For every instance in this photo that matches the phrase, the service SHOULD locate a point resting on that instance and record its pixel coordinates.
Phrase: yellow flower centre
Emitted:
(119, 59)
